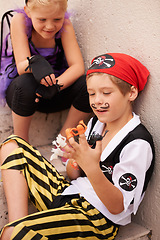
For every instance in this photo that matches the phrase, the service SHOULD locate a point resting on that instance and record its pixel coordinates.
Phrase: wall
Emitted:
(131, 27)
(10, 4)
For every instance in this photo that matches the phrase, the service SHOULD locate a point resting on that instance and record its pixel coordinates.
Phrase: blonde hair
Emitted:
(123, 86)
(34, 3)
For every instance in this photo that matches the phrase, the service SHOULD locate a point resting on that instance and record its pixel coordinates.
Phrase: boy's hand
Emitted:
(86, 157)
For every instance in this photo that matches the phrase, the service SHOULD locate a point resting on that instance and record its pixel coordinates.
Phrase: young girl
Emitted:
(48, 63)
(116, 169)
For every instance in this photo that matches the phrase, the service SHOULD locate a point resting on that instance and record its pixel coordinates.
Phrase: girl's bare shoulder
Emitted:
(67, 24)
(18, 18)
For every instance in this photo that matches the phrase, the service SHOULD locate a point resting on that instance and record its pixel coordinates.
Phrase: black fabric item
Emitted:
(75, 95)
(61, 200)
(21, 95)
(40, 67)
(48, 92)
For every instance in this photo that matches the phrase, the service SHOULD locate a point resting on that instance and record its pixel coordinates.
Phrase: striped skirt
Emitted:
(59, 217)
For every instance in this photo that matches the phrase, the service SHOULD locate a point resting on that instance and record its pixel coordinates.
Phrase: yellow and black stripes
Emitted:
(76, 220)
(72, 218)
(44, 182)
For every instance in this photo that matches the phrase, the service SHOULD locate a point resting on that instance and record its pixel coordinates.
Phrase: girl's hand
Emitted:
(48, 92)
(48, 80)
(86, 157)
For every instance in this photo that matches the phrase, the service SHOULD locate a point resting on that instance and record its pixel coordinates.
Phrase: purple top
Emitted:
(55, 56)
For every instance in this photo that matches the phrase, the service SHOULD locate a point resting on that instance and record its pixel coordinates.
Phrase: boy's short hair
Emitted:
(121, 66)
(123, 86)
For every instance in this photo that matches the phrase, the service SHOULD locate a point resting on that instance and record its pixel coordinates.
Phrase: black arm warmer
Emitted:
(48, 92)
(40, 67)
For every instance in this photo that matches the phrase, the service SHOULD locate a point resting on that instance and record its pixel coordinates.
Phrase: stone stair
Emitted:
(133, 231)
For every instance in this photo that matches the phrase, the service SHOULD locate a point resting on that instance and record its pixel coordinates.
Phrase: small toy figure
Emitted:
(75, 132)
(60, 141)
(95, 137)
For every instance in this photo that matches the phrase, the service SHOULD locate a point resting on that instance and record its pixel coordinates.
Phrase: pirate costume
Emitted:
(61, 216)
(72, 210)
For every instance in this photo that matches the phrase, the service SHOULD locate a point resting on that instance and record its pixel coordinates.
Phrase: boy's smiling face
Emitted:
(107, 101)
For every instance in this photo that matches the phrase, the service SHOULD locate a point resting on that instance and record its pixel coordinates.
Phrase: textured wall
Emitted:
(10, 4)
(131, 27)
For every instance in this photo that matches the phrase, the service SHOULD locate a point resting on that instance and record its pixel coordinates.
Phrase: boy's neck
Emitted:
(119, 124)
(114, 127)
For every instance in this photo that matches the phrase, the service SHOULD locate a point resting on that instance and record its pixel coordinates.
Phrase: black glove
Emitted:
(40, 67)
(48, 92)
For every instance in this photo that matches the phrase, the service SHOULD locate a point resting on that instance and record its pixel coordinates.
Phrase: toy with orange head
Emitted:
(75, 132)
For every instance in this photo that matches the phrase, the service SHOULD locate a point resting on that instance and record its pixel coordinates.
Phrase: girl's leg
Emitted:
(80, 108)
(21, 126)
(21, 97)
(73, 118)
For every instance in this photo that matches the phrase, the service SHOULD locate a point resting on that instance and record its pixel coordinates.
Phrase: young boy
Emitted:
(116, 169)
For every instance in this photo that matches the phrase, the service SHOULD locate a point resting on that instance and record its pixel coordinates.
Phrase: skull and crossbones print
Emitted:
(108, 169)
(128, 182)
(105, 61)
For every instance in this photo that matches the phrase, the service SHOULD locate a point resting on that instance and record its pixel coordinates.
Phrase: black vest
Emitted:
(140, 132)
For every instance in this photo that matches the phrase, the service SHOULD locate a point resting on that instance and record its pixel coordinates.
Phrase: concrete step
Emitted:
(132, 231)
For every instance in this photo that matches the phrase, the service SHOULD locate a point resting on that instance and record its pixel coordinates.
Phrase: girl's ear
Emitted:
(27, 11)
(133, 93)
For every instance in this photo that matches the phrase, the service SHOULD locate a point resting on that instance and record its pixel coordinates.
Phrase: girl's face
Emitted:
(107, 101)
(46, 20)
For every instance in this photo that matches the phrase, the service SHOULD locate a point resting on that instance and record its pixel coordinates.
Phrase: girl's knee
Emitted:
(21, 95)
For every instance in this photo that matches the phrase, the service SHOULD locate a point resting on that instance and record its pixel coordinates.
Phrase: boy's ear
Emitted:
(27, 11)
(133, 93)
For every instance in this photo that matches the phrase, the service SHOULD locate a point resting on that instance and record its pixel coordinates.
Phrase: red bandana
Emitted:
(122, 66)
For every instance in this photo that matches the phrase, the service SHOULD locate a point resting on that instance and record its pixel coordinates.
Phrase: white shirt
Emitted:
(135, 158)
